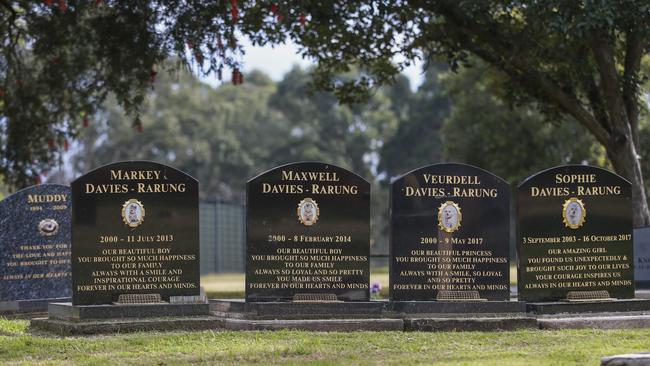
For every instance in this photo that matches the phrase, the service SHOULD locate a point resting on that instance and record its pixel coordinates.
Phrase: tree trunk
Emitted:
(625, 160)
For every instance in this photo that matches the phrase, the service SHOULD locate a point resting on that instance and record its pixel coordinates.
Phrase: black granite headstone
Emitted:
(642, 257)
(575, 235)
(35, 244)
(449, 235)
(308, 232)
(135, 230)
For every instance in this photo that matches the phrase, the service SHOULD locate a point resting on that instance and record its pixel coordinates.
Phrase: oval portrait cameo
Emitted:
(308, 212)
(133, 213)
(449, 216)
(573, 213)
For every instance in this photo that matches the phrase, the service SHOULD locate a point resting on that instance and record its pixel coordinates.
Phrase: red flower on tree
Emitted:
(234, 12)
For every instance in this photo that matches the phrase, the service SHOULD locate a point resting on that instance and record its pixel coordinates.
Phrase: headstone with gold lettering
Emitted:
(308, 232)
(449, 235)
(135, 232)
(575, 235)
(642, 257)
(35, 246)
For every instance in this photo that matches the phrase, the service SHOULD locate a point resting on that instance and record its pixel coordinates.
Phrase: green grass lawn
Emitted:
(534, 347)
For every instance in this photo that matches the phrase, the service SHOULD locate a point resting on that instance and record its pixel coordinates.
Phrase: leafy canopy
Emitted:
(60, 59)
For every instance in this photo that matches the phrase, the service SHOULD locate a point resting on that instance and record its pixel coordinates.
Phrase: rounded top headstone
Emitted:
(575, 235)
(35, 243)
(308, 234)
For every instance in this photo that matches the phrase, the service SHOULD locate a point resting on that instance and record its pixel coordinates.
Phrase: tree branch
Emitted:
(633, 54)
(532, 80)
(609, 85)
(596, 101)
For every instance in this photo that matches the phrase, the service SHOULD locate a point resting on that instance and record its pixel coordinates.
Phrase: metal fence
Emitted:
(222, 237)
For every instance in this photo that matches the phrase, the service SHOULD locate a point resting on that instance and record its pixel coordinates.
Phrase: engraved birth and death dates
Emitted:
(157, 238)
(281, 238)
(53, 208)
(453, 240)
(577, 239)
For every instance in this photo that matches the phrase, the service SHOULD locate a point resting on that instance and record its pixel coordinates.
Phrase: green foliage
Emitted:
(417, 141)
(323, 129)
(57, 65)
(220, 136)
(510, 141)
(224, 136)
(575, 60)
(227, 135)
(464, 117)
(3, 188)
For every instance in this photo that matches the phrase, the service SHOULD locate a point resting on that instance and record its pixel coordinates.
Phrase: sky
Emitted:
(277, 61)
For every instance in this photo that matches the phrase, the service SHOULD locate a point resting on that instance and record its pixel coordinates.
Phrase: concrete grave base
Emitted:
(67, 311)
(299, 310)
(27, 307)
(373, 315)
(478, 323)
(595, 321)
(631, 359)
(108, 326)
(362, 309)
(66, 319)
(623, 305)
(316, 325)
(405, 308)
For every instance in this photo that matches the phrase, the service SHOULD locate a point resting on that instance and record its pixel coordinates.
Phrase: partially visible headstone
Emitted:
(575, 235)
(449, 235)
(629, 359)
(642, 258)
(308, 234)
(35, 244)
(135, 232)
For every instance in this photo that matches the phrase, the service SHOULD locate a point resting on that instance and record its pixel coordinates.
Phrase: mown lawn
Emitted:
(576, 347)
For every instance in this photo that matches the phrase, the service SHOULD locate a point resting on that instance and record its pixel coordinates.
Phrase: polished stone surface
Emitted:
(575, 234)
(449, 233)
(35, 245)
(135, 230)
(642, 258)
(457, 307)
(308, 233)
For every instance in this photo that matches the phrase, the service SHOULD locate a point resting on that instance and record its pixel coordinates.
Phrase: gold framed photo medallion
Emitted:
(449, 216)
(133, 213)
(574, 213)
(308, 212)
